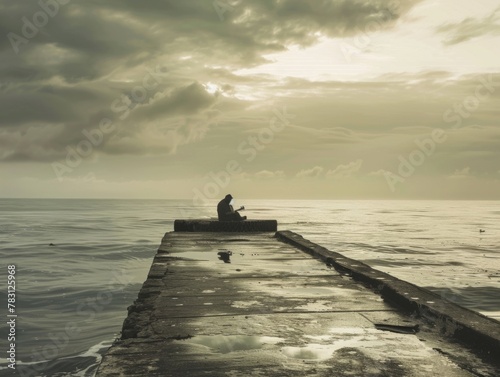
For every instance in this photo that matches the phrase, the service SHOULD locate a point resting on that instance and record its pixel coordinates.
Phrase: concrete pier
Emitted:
(257, 304)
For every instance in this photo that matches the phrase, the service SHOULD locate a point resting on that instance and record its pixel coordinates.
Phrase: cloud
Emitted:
(51, 104)
(314, 172)
(266, 174)
(471, 28)
(186, 117)
(186, 100)
(344, 171)
(66, 76)
(129, 33)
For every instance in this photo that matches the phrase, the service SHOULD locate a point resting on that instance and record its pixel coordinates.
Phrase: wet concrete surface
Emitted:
(270, 310)
(480, 333)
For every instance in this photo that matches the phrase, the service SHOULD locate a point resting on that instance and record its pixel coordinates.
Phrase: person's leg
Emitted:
(235, 216)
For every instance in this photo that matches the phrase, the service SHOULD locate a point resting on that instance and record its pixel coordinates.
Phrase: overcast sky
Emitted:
(194, 99)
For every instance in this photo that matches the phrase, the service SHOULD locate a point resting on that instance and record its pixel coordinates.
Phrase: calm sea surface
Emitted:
(72, 296)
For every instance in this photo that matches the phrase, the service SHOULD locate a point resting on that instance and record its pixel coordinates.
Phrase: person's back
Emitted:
(224, 209)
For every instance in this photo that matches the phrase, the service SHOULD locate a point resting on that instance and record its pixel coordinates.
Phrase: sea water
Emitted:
(80, 263)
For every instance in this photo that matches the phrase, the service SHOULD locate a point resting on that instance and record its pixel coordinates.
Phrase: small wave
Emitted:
(84, 364)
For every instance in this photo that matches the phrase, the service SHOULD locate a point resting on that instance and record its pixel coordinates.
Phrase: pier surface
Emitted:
(270, 309)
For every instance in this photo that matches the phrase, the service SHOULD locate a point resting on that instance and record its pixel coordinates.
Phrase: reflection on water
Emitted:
(310, 352)
(307, 292)
(338, 338)
(232, 343)
(375, 343)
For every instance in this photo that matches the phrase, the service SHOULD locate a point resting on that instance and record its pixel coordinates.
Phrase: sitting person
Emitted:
(226, 212)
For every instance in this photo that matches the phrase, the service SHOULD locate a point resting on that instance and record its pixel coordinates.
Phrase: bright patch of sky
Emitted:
(413, 45)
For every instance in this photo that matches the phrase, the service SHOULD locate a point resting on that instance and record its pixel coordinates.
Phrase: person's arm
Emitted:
(228, 209)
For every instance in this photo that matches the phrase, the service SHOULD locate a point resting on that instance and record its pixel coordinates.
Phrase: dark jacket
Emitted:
(225, 211)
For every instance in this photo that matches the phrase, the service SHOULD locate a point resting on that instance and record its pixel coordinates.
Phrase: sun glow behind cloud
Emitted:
(211, 88)
(323, 61)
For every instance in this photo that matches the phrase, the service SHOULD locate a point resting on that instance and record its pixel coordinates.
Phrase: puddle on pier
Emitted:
(217, 255)
(246, 304)
(256, 260)
(309, 291)
(373, 343)
(317, 306)
(232, 343)
(319, 348)
(208, 255)
(347, 344)
(350, 337)
(317, 352)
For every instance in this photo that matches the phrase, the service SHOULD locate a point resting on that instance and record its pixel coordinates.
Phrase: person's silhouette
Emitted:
(226, 212)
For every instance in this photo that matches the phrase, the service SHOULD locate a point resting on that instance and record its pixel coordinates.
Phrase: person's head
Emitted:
(228, 198)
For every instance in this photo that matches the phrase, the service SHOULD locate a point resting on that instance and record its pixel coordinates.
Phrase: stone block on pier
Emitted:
(213, 225)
